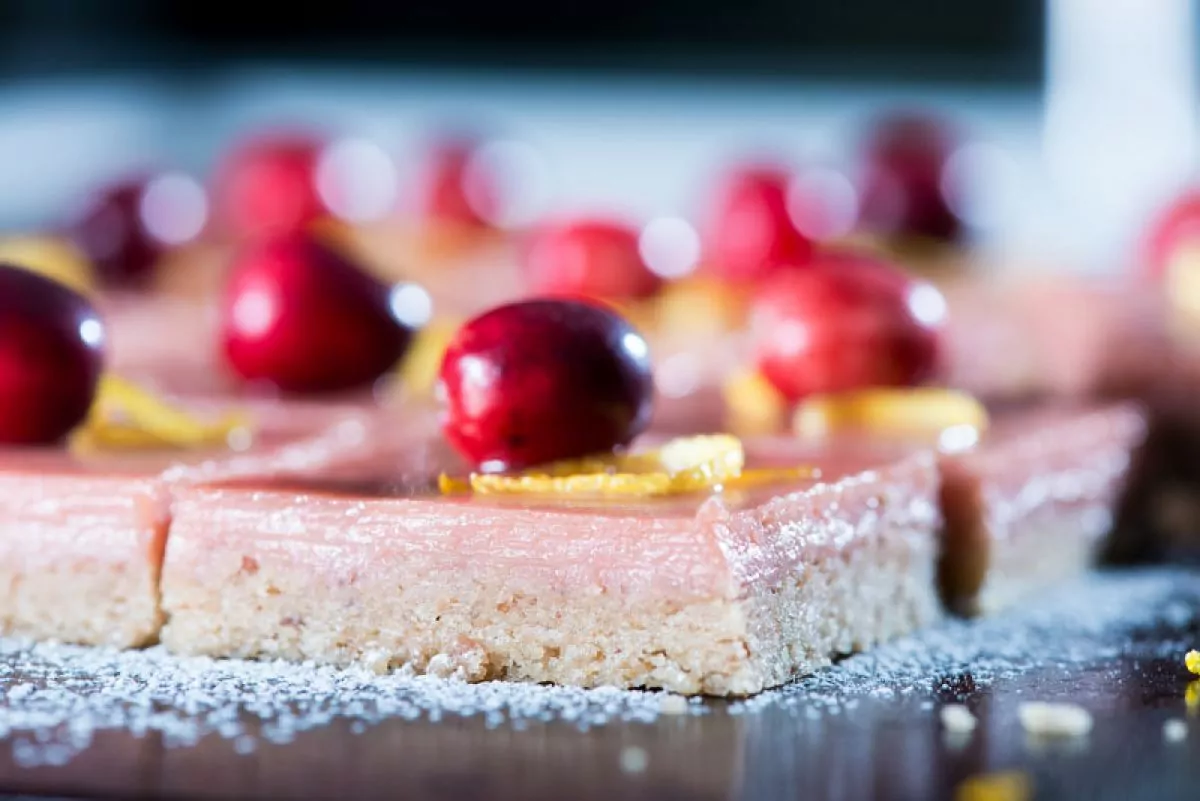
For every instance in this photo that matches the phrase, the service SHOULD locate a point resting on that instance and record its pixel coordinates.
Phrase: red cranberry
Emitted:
(51, 355)
(454, 192)
(125, 229)
(902, 192)
(297, 314)
(1177, 228)
(542, 380)
(268, 186)
(589, 258)
(846, 322)
(751, 232)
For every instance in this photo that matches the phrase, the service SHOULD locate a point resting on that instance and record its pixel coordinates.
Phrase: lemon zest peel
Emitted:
(125, 416)
(679, 466)
(912, 410)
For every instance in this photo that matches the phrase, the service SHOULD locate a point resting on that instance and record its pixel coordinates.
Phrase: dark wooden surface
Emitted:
(1130, 675)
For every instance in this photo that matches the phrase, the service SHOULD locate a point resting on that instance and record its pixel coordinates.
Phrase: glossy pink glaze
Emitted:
(52, 514)
(384, 505)
(145, 333)
(83, 535)
(1047, 462)
(277, 429)
(1063, 336)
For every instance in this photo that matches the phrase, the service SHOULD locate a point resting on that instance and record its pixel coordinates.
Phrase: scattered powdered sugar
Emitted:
(54, 699)
(674, 705)
(1061, 631)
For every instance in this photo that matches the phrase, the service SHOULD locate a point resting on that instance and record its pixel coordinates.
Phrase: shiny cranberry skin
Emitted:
(542, 380)
(901, 192)
(268, 186)
(751, 232)
(112, 232)
(299, 315)
(846, 322)
(1176, 228)
(454, 193)
(51, 355)
(589, 258)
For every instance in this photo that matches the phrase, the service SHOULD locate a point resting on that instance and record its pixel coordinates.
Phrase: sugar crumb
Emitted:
(634, 759)
(1175, 730)
(673, 705)
(57, 698)
(1044, 719)
(958, 719)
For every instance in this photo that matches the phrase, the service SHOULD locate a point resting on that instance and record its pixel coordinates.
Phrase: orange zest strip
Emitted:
(680, 466)
(53, 258)
(753, 405)
(912, 411)
(125, 416)
(772, 475)
(419, 370)
(622, 485)
(449, 485)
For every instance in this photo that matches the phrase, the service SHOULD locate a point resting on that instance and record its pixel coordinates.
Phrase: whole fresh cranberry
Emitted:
(125, 228)
(454, 192)
(846, 322)
(589, 258)
(751, 232)
(299, 315)
(51, 356)
(543, 380)
(902, 189)
(1174, 232)
(267, 185)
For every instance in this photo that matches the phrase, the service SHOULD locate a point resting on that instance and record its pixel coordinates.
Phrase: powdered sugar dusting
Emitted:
(1060, 633)
(54, 699)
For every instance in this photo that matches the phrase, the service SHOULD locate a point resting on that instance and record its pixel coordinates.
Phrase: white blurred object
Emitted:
(357, 180)
(823, 203)
(670, 247)
(984, 186)
(174, 208)
(515, 171)
(1120, 129)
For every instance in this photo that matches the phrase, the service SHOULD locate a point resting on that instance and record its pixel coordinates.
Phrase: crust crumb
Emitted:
(1054, 720)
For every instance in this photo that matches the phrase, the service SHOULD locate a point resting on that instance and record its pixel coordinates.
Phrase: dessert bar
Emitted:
(1030, 505)
(727, 594)
(82, 532)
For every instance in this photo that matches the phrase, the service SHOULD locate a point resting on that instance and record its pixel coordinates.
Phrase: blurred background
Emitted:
(1077, 118)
